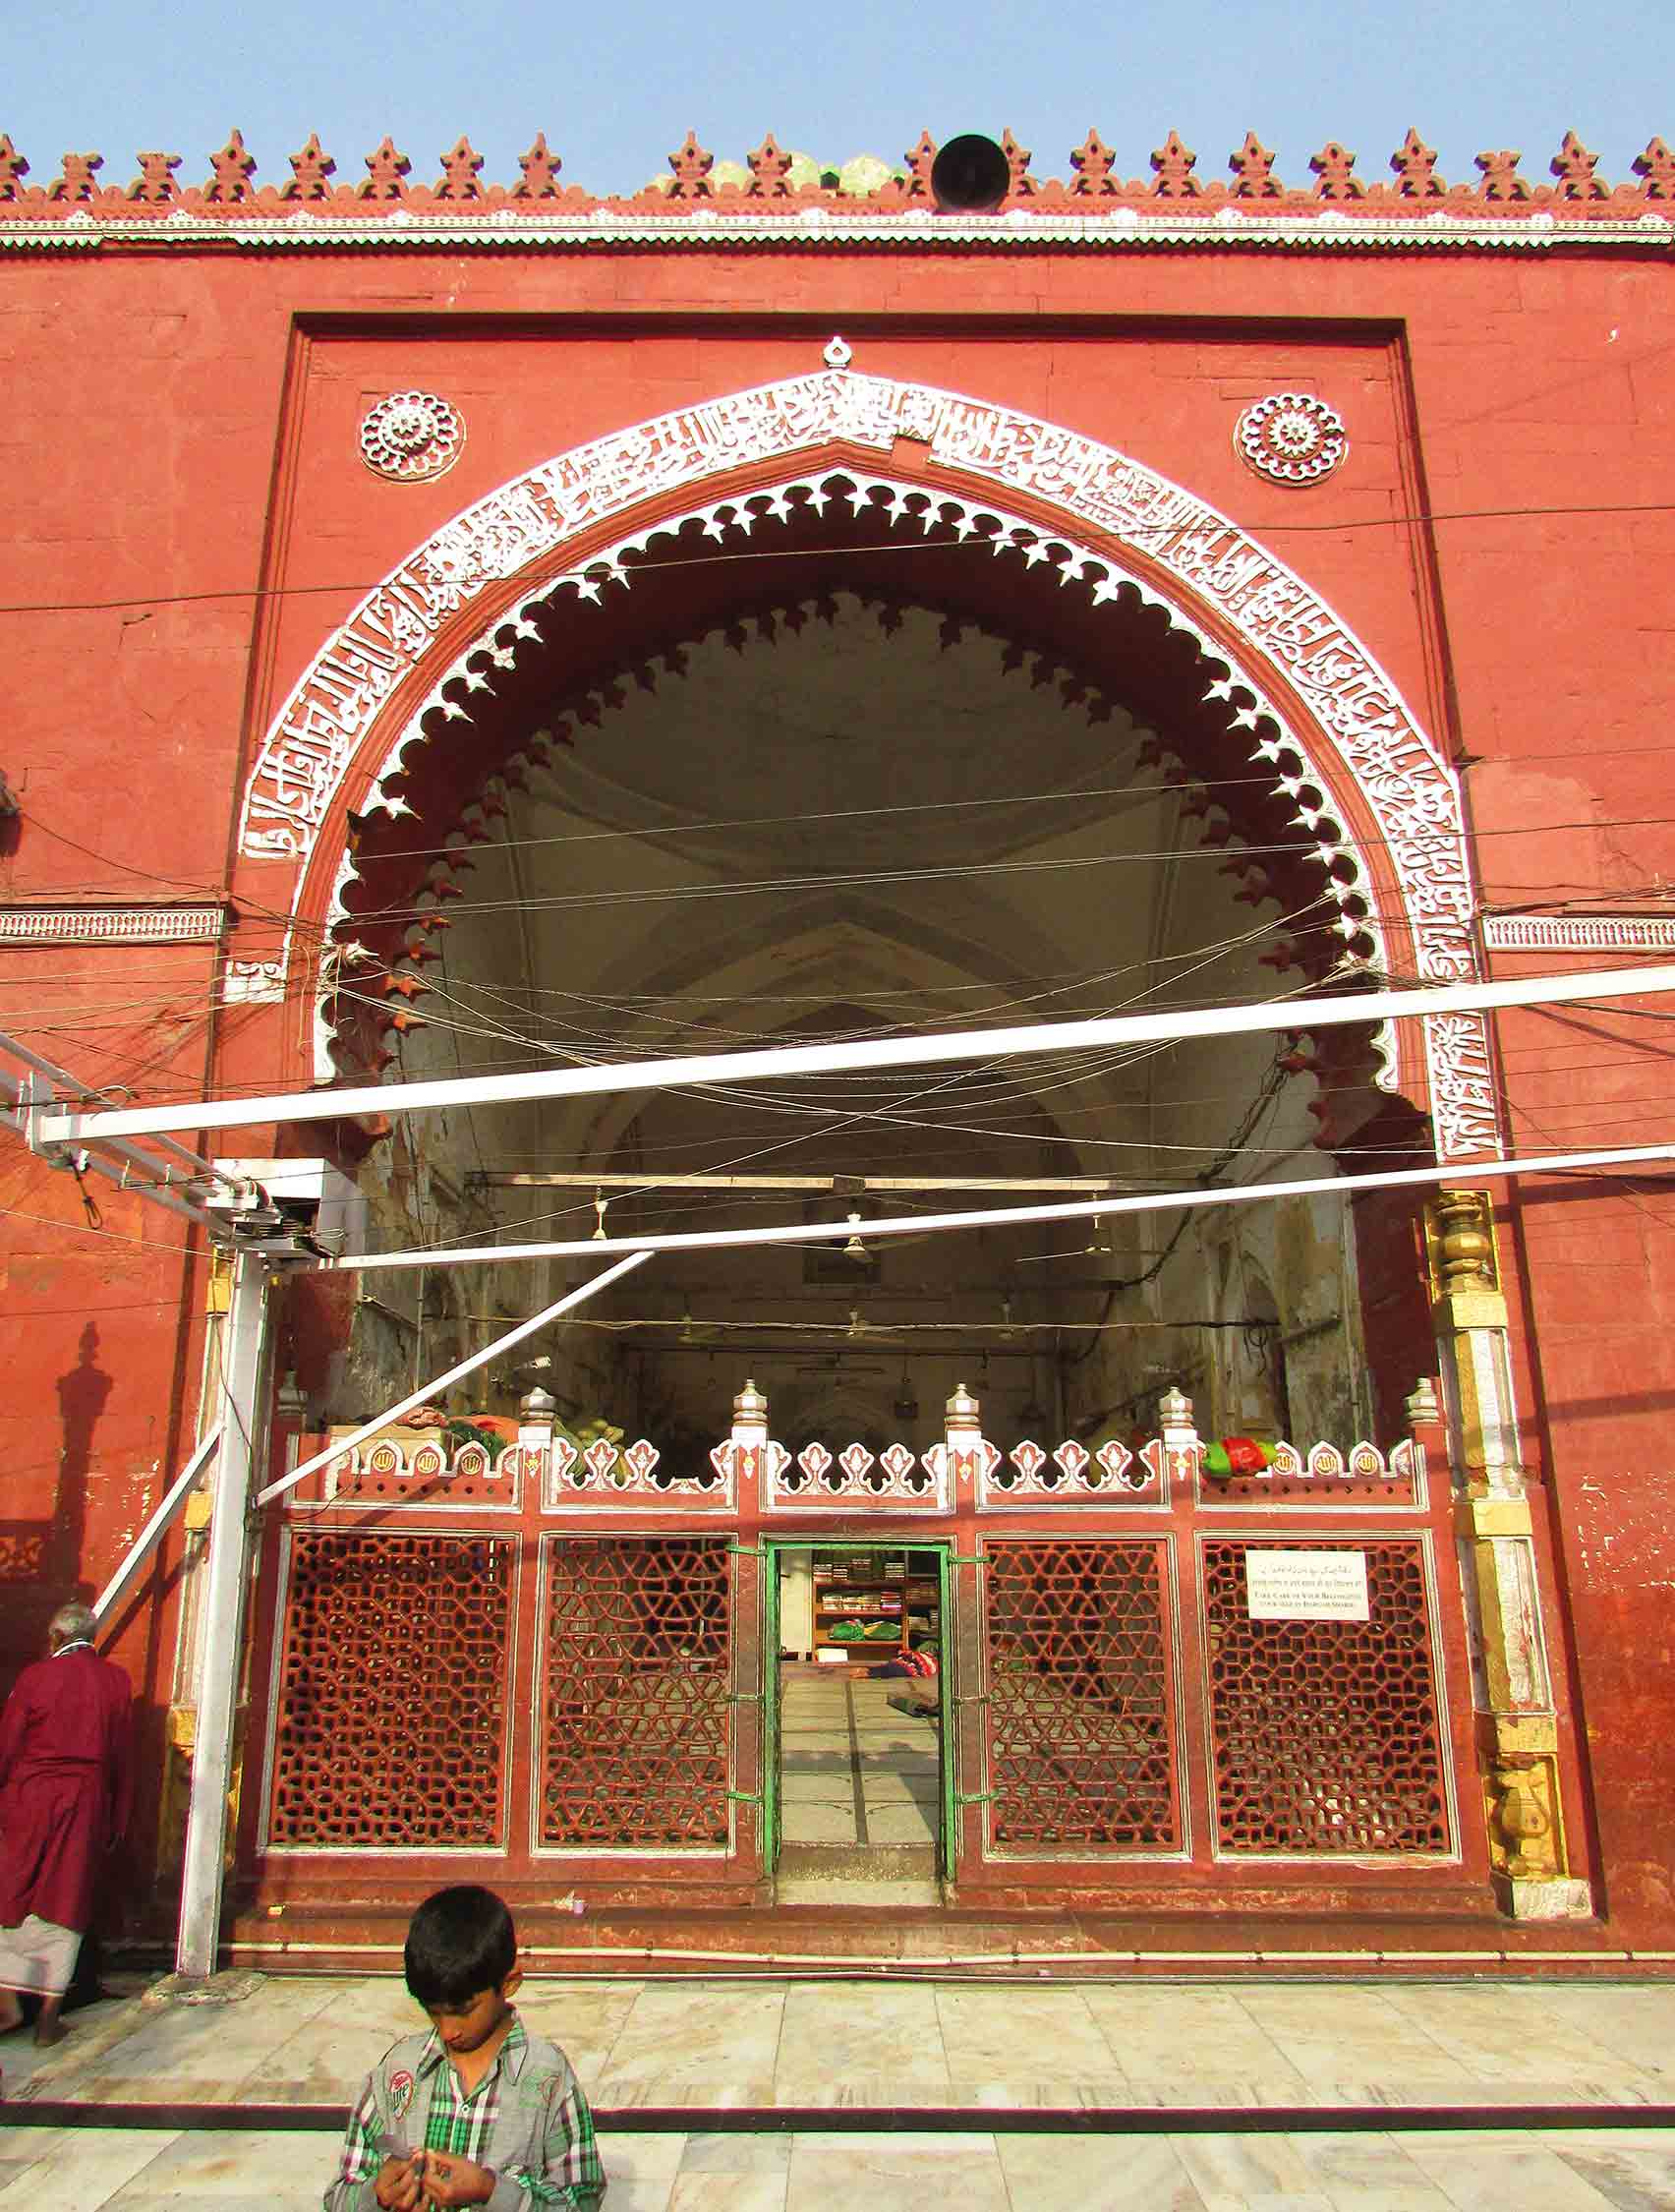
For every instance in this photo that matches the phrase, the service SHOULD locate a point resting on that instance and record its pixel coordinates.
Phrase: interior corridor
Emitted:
(860, 1790)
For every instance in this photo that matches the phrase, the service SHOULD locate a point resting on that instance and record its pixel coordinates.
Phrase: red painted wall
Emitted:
(178, 433)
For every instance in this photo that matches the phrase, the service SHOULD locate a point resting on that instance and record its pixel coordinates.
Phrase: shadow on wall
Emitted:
(41, 1559)
(83, 1395)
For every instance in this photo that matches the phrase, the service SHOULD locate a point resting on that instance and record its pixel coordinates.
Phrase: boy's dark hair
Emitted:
(461, 1942)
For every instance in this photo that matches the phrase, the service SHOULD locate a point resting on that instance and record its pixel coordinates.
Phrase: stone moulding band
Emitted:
(111, 925)
(1578, 933)
(709, 228)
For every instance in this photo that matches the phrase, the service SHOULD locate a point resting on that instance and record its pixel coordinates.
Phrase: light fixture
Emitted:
(601, 1202)
(688, 1335)
(1006, 1317)
(854, 1249)
(906, 1407)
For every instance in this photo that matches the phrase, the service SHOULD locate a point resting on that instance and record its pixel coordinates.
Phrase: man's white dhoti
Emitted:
(38, 1956)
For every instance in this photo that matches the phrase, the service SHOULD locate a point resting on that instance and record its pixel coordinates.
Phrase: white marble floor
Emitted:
(987, 2048)
(1565, 2172)
(852, 1769)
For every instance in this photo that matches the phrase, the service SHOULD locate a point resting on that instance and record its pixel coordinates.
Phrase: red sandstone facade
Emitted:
(340, 514)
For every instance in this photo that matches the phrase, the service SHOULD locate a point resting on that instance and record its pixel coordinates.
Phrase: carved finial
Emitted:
(13, 166)
(230, 173)
(962, 1414)
(1501, 179)
(769, 170)
(1019, 184)
(76, 179)
(1333, 165)
(1656, 165)
(388, 172)
(541, 167)
(310, 170)
(536, 1409)
(1093, 162)
(460, 166)
(1421, 1405)
(1463, 1241)
(1414, 165)
(156, 185)
(1573, 167)
(1173, 164)
(1174, 1408)
(1252, 168)
(920, 160)
(837, 355)
(691, 167)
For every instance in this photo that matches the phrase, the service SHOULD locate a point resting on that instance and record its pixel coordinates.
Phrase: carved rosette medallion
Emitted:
(412, 436)
(1291, 437)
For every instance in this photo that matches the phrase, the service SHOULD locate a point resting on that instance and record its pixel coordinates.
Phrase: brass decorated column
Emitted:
(1516, 1728)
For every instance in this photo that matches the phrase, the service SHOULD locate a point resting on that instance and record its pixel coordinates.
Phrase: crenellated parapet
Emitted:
(774, 189)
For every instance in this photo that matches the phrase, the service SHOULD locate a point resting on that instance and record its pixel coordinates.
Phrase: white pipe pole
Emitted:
(221, 1630)
(927, 1224)
(894, 1052)
(152, 1535)
(465, 1366)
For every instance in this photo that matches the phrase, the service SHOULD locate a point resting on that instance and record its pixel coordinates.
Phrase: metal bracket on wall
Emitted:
(744, 1797)
(976, 1559)
(975, 1798)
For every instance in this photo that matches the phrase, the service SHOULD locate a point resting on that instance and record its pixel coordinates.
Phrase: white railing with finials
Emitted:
(424, 1467)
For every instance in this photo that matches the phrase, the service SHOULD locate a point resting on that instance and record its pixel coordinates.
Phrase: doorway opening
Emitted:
(858, 1779)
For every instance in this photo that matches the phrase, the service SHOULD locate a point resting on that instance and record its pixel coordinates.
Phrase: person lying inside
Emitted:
(920, 1666)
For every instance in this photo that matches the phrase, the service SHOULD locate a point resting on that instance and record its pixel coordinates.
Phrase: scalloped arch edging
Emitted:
(1284, 628)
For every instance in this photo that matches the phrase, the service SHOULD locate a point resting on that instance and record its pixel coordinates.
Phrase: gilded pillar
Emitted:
(1516, 1728)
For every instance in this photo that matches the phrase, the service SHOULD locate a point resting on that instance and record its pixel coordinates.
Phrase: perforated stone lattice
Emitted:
(1081, 1738)
(1325, 1734)
(634, 1719)
(393, 1664)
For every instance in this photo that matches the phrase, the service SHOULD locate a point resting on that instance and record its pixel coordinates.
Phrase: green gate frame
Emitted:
(812, 1539)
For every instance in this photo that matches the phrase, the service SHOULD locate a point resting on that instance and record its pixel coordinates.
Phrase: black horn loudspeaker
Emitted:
(970, 175)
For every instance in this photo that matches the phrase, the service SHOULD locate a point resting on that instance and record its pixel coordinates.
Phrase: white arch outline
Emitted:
(1285, 629)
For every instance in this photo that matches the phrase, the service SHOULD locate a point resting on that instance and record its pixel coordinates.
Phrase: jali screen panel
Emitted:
(1325, 1734)
(1081, 1709)
(391, 1722)
(634, 1712)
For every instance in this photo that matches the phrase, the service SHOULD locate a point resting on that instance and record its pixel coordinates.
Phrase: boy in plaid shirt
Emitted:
(478, 2111)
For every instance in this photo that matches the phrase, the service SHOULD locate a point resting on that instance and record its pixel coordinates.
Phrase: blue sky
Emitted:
(615, 88)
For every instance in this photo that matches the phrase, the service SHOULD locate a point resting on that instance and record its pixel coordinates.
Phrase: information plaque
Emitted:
(1306, 1585)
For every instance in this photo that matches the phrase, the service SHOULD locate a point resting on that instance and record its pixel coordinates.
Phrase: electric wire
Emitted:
(1425, 518)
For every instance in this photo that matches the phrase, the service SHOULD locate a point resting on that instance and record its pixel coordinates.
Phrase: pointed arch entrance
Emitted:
(406, 705)
(1005, 643)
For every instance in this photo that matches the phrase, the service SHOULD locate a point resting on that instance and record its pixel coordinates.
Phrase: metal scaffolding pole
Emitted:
(238, 1468)
(495, 1351)
(1194, 1197)
(63, 1126)
(155, 1531)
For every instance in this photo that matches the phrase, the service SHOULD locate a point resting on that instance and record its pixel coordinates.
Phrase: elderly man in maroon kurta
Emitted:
(65, 1786)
